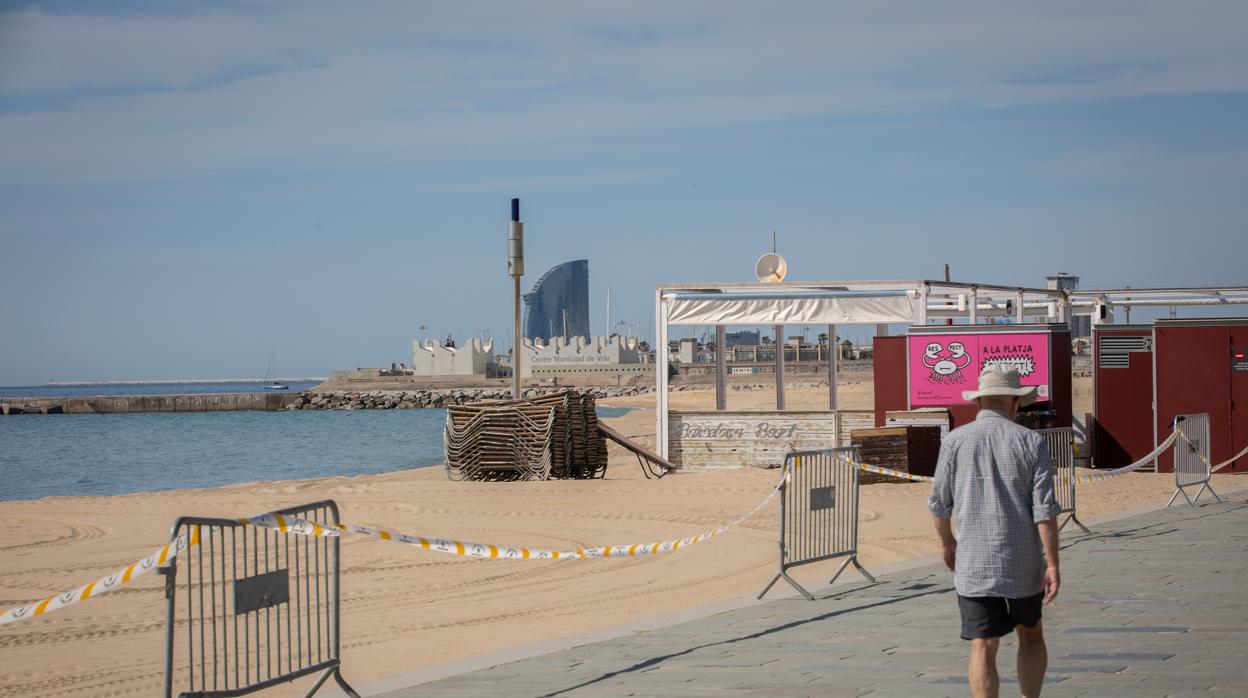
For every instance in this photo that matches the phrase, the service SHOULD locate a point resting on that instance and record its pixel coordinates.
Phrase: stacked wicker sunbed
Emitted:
(552, 436)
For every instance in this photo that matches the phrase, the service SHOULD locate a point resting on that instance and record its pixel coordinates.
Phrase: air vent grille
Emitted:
(1117, 344)
(1115, 360)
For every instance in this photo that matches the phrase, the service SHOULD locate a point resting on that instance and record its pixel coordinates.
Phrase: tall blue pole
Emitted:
(515, 268)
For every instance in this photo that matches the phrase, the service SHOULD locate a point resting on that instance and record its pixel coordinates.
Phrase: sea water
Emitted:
(110, 389)
(104, 454)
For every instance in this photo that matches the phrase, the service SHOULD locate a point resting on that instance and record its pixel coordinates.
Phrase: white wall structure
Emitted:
(688, 352)
(433, 359)
(598, 352)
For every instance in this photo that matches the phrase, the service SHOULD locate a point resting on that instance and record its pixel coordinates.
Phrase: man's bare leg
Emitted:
(1033, 659)
(983, 669)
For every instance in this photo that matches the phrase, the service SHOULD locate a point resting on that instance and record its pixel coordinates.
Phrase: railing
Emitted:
(1061, 443)
(260, 607)
(1191, 457)
(818, 513)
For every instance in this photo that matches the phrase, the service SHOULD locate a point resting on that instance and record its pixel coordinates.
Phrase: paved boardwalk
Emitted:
(1152, 605)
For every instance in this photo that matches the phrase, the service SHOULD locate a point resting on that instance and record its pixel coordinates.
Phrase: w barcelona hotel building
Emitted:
(558, 305)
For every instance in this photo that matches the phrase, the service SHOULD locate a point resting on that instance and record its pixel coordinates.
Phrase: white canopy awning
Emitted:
(788, 307)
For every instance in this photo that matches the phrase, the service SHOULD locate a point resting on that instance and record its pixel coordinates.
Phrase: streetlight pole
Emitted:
(515, 268)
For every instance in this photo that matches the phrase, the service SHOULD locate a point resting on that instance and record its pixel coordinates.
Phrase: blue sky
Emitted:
(185, 187)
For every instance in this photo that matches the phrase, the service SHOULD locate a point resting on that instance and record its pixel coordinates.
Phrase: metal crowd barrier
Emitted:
(260, 606)
(818, 513)
(1061, 444)
(1191, 457)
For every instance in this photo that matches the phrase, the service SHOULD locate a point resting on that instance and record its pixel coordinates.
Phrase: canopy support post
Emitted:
(721, 350)
(779, 345)
(834, 356)
(660, 374)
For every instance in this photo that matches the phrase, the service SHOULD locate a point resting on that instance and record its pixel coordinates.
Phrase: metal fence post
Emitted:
(1061, 443)
(262, 606)
(782, 573)
(170, 573)
(818, 513)
(1191, 457)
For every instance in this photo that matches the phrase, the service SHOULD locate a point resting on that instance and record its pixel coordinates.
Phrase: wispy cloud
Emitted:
(105, 97)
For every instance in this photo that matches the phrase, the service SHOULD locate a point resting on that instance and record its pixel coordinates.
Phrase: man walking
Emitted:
(998, 477)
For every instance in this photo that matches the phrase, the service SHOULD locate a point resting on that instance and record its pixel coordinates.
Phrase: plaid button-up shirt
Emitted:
(998, 476)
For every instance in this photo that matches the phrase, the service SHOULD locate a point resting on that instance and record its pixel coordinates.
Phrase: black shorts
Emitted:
(993, 616)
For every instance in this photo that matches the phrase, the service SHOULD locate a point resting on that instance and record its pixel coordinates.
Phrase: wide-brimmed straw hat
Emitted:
(1003, 381)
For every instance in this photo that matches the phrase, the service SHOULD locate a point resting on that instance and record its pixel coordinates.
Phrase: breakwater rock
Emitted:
(420, 399)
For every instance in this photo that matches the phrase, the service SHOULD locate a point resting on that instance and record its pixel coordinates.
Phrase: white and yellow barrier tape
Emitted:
(1232, 459)
(509, 552)
(1213, 468)
(291, 524)
(1118, 472)
(892, 473)
(296, 526)
(162, 557)
(491, 551)
(102, 585)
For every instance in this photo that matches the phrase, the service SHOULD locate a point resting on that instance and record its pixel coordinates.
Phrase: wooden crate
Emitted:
(910, 449)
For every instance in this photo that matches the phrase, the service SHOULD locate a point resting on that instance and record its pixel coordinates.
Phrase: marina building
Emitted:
(582, 357)
(475, 358)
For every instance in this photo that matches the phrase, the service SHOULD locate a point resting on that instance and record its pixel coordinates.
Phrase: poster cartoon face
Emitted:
(943, 365)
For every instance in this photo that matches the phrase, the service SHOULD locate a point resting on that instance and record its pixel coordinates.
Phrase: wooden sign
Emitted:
(756, 439)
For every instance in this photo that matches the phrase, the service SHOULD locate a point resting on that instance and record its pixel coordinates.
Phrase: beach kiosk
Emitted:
(731, 438)
(1147, 375)
(931, 366)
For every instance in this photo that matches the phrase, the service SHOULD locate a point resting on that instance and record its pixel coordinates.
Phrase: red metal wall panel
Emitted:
(1193, 376)
(1239, 398)
(1061, 390)
(961, 415)
(1124, 403)
(889, 363)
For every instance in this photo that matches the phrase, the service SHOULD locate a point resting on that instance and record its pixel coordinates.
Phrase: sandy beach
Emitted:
(405, 608)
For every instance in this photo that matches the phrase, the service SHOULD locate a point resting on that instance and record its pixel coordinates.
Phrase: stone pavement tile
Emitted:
(1151, 606)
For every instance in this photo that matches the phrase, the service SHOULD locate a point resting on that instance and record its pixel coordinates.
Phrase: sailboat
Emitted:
(270, 375)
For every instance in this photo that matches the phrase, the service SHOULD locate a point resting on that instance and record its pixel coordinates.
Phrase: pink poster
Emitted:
(944, 365)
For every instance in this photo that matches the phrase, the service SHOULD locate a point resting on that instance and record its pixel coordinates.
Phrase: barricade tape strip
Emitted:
(160, 558)
(290, 524)
(892, 473)
(1101, 477)
(296, 526)
(1082, 479)
(102, 585)
(1213, 468)
(508, 552)
(1234, 458)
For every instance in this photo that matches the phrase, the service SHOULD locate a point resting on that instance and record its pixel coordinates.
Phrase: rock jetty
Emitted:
(420, 399)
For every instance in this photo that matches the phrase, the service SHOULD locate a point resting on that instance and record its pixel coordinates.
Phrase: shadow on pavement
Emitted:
(655, 661)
